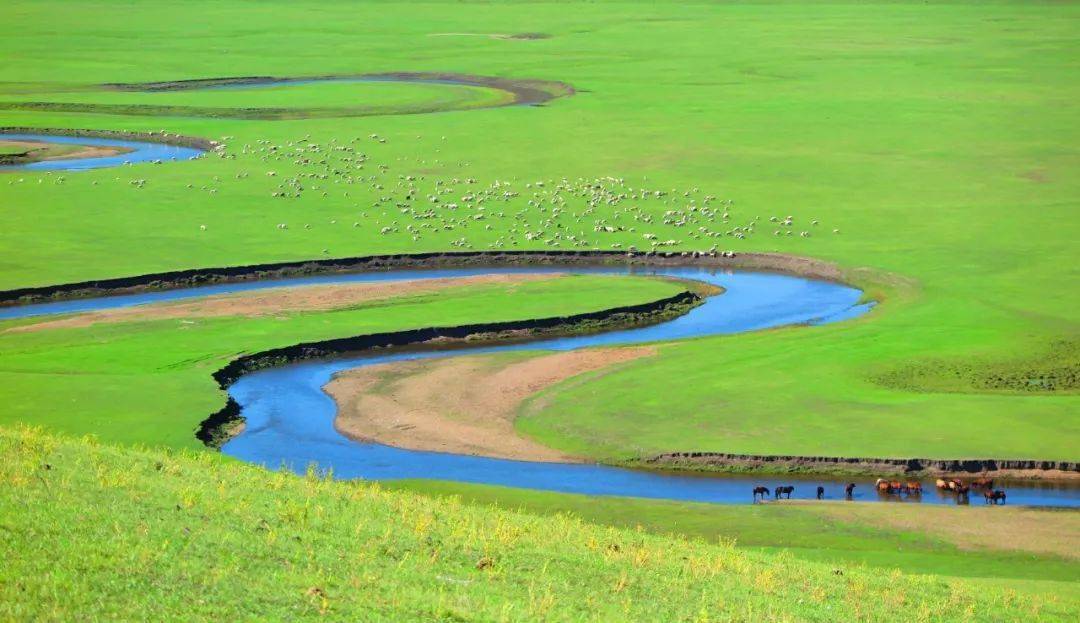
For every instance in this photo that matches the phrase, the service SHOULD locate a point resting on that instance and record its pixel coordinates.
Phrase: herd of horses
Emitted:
(907, 488)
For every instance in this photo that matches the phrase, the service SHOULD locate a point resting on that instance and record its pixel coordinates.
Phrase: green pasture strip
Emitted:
(798, 529)
(95, 531)
(808, 392)
(149, 381)
(938, 139)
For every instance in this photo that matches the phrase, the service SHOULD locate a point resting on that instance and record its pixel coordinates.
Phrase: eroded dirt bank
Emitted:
(774, 262)
(464, 405)
(166, 138)
(520, 91)
(37, 151)
(524, 91)
(998, 468)
(220, 426)
(277, 301)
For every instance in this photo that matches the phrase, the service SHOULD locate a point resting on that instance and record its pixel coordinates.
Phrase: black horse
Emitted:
(762, 491)
(820, 493)
(783, 490)
(993, 497)
(849, 489)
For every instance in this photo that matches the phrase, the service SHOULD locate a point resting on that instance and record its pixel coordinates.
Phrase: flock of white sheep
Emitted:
(579, 213)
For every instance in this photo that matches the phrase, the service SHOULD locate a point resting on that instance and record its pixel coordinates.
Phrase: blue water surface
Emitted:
(144, 151)
(290, 419)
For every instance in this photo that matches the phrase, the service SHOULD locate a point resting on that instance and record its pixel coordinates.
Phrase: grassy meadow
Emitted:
(928, 149)
(149, 380)
(1024, 549)
(938, 140)
(135, 534)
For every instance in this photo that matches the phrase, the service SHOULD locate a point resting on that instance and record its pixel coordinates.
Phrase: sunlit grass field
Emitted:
(936, 138)
(134, 534)
(149, 380)
(928, 149)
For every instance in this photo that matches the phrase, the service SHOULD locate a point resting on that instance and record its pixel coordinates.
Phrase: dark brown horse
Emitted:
(820, 492)
(784, 490)
(762, 491)
(994, 497)
(983, 483)
(849, 489)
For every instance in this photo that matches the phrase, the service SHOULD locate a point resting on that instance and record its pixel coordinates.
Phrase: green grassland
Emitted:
(42, 151)
(325, 99)
(836, 533)
(133, 534)
(7, 149)
(385, 95)
(939, 139)
(934, 143)
(149, 381)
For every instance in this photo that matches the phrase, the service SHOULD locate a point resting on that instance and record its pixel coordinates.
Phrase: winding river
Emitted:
(290, 419)
(140, 151)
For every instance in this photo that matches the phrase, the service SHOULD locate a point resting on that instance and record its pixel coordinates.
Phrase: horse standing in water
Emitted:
(784, 490)
(992, 497)
(820, 492)
(762, 491)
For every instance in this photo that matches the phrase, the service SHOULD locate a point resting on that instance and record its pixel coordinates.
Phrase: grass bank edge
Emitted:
(226, 529)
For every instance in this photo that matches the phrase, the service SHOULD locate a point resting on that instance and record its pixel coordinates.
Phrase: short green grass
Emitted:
(380, 94)
(7, 148)
(833, 532)
(150, 381)
(37, 151)
(318, 99)
(97, 532)
(938, 138)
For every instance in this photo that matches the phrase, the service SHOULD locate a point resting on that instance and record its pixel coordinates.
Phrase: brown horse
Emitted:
(993, 497)
(983, 483)
(762, 491)
(883, 486)
(849, 489)
(913, 487)
(784, 490)
(952, 484)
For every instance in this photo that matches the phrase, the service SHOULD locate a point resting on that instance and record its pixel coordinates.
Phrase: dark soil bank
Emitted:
(524, 91)
(153, 137)
(279, 270)
(217, 428)
(880, 466)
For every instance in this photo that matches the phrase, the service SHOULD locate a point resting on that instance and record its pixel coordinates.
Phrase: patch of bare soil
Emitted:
(519, 36)
(90, 151)
(1001, 528)
(36, 151)
(465, 405)
(277, 301)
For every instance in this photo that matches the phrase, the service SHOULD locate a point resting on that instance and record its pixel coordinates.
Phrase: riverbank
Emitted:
(167, 138)
(17, 152)
(766, 262)
(463, 405)
(219, 427)
(1015, 469)
(99, 531)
